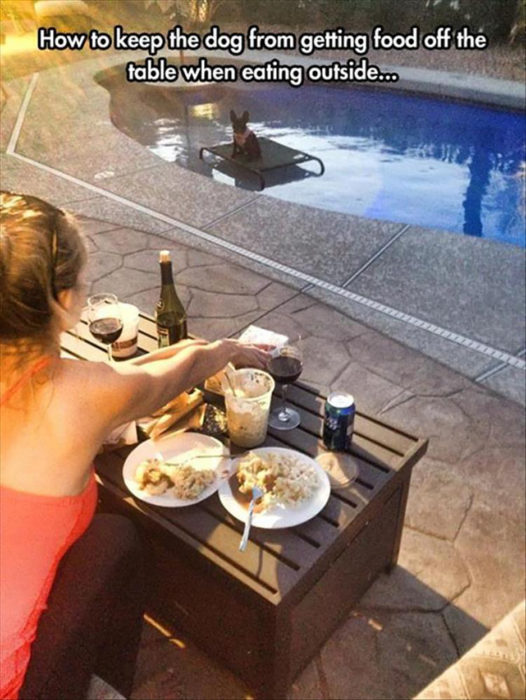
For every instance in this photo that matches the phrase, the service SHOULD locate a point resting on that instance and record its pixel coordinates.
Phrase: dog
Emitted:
(245, 140)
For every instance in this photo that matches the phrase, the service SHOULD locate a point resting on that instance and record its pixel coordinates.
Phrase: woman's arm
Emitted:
(123, 393)
(163, 353)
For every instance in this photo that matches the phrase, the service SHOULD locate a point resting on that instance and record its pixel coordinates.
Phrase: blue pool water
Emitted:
(439, 164)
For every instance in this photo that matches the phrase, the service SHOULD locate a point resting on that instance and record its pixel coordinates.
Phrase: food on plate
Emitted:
(185, 482)
(189, 483)
(205, 419)
(285, 479)
(172, 412)
(214, 421)
(176, 405)
(151, 478)
(213, 383)
(191, 422)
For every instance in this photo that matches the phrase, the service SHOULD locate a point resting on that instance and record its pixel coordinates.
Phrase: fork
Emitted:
(223, 475)
(257, 493)
(178, 463)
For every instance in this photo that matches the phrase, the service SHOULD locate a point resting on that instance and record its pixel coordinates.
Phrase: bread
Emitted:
(172, 412)
(214, 383)
(173, 406)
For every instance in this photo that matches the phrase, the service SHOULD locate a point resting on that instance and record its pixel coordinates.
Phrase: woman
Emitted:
(55, 413)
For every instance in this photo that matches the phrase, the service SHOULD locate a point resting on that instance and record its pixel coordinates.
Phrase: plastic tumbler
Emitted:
(126, 345)
(247, 399)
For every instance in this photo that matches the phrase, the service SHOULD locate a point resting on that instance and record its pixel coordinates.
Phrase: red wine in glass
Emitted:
(285, 366)
(107, 330)
(105, 319)
(285, 369)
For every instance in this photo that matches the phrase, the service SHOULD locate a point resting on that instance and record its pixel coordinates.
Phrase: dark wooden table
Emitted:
(264, 613)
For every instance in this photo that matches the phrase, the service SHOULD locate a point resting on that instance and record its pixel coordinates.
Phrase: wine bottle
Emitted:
(170, 315)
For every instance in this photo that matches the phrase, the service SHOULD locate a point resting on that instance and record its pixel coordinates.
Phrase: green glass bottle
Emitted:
(170, 315)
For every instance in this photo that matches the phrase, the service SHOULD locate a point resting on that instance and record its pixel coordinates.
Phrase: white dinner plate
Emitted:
(183, 447)
(278, 515)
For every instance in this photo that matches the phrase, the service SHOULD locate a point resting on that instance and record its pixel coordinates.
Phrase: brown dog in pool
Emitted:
(245, 140)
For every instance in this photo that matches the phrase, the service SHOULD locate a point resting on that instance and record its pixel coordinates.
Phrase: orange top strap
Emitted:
(26, 376)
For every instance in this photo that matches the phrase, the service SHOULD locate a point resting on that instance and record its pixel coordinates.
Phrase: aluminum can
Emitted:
(339, 421)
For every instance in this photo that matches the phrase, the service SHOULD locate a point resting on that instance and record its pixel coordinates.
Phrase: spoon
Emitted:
(257, 493)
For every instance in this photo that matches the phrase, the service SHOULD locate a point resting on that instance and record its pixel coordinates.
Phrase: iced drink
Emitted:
(247, 399)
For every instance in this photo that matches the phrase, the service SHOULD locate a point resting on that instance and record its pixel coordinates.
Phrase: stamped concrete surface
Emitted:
(461, 565)
(474, 283)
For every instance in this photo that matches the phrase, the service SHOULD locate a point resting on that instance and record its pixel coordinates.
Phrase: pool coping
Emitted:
(463, 87)
(493, 92)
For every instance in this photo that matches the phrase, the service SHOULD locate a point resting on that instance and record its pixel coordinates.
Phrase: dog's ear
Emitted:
(232, 115)
(245, 116)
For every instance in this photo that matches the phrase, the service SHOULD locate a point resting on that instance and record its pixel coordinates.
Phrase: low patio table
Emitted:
(265, 612)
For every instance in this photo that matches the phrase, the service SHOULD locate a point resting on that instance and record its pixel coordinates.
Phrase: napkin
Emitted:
(261, 336)
(125, 434)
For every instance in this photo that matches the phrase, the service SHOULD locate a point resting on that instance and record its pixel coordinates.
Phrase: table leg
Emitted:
(276, 644)
(399, 523)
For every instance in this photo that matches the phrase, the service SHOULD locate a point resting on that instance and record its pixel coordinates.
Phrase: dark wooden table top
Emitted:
(276, 563)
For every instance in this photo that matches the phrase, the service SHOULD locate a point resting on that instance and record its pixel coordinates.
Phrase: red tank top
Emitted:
(35, 533)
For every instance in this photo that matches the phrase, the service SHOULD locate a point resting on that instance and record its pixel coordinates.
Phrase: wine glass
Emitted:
(285, 366)
(105, 319)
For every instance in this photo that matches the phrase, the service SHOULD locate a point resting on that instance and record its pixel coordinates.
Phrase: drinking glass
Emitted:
(285, 366)
(105, 319)
(247, 398)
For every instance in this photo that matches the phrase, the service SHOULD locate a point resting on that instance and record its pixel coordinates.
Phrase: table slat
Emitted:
(284, 544)
(82, 349)
(147, 326)
(361, 445)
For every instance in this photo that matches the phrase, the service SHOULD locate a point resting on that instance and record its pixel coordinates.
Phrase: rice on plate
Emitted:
(285, 479)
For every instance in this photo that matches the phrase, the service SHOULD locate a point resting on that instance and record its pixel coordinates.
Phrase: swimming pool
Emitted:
(429, 162)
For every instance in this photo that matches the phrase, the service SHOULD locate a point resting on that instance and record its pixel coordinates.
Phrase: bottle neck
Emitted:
(166, 273)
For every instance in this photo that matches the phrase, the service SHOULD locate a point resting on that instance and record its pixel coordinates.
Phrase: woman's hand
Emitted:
(247, 355)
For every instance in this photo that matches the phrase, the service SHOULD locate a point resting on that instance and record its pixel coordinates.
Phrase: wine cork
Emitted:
(164, 256)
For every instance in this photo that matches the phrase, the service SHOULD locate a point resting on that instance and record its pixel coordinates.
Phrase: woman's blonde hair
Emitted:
(41, 253)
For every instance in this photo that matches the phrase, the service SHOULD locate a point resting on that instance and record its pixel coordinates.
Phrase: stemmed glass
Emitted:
(105, 319)
(285, 366)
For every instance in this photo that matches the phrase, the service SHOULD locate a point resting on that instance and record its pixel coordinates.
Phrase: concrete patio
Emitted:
(237, 262)
(461, 566)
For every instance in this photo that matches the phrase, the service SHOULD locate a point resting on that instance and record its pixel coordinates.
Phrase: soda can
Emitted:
(339, 421)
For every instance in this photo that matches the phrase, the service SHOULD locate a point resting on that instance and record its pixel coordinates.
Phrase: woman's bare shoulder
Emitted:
(83, 383)
(87, 373)
(105, 392)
